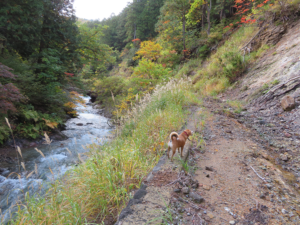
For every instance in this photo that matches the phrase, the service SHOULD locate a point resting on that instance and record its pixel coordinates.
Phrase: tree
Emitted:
(20, 25)
(173, 13)
(93, 52)
(148, 50)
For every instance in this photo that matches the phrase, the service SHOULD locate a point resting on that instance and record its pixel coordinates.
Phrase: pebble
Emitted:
(269, 186)
(181, 210)
(185, 190)
(232, 222)
(177, 190)
(204, 212)
(210, 215)
(283, 157)
(188, 214)
(206, 187)
(284, 211)
(196, 198)
(195, 185)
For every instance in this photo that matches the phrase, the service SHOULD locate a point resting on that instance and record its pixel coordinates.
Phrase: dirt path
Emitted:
(237, 177)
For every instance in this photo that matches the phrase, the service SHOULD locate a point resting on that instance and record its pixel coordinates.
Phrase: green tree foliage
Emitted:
(42, 43)
(150, 70)
(137, 20)
(172, 22)
(20, 25)
(90, 48)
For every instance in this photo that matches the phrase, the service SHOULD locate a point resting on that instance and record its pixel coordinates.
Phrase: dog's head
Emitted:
(188, 132)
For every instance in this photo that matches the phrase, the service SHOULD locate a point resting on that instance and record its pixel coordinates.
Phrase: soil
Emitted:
(237, 175)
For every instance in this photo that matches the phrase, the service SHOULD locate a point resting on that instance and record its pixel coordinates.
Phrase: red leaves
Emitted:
(4, 72)
(69, 74)
(9, 93)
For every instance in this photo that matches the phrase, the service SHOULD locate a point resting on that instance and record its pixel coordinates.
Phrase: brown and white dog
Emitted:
(178, 141)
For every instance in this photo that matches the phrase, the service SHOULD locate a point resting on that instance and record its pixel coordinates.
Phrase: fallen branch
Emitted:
(172, 182)
(252, 38)
(258, 174)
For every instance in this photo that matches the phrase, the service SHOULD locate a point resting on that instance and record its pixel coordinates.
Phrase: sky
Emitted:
(98, 9)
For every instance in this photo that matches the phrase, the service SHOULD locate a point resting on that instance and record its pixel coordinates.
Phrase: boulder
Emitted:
(288, 103)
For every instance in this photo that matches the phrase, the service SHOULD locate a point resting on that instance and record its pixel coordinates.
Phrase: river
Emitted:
(88, 128)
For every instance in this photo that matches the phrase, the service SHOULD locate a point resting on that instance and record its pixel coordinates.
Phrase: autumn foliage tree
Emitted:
(148, 50)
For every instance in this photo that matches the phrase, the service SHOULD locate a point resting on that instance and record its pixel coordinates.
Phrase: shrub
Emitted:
(233, 66)
(150, 70)
(108, 85)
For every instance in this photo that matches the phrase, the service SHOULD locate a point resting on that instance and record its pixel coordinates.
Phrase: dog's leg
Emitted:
(168, 151)
(173, 153)
(170, 146)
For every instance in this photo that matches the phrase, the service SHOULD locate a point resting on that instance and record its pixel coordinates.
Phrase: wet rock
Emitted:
(196, 197)
(287, 103)
(185, 190)
(79, 124)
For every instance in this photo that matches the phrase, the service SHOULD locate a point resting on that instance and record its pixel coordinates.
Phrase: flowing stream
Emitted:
(88, 128)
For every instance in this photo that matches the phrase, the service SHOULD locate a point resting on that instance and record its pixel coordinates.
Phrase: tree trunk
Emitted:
(134, 36)
(203, 16)
(208, 18)
(208, 21)
(183, 31)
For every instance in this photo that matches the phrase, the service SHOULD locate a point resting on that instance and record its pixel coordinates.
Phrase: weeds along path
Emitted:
(229, 178)
(237, 177)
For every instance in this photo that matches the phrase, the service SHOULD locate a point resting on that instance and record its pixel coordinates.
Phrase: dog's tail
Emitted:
(172, 135)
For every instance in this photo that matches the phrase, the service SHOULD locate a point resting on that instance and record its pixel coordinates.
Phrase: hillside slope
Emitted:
(246, 159)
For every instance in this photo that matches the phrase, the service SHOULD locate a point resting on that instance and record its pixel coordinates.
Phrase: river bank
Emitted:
(52, 160)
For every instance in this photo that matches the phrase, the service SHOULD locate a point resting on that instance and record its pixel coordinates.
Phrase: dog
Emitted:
(178, 141)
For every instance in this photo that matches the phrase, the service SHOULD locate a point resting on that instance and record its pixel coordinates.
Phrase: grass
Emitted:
(226, 64)
(236, 105)
(101, 185)
(188, 68)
